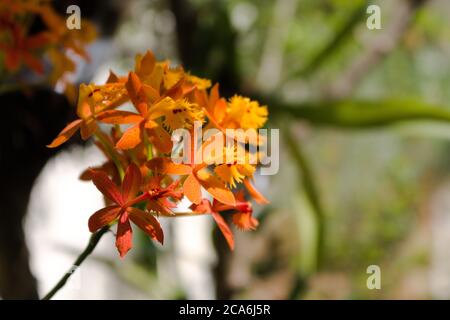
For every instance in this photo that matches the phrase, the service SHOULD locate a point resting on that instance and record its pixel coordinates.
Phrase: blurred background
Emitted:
(364, 173)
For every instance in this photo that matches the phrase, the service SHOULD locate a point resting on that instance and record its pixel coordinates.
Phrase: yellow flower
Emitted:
(172, 76)
(245, 113)
(236, 168)
(200, 83)
(178, 114)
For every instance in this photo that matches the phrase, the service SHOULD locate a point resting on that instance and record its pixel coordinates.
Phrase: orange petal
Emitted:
(224, 229)
(254, 193)
(88, 127)
(160, 139)
(112, 77)
(37, 41)
(33, 63)
(134, 86)
(130, 138)
(12, 60)
(214, 95)
(166, 166)
(245, 221)
(217, 189)
(65, 134)
(124, 235)
(201, 98)
(150, 93)
(192, 189)
(107, 187)
(148, 223)
(203, 207)
(159, 208)
(147, 63)
(119, 117)
(220, 110)
(103, 217)
(131, 182)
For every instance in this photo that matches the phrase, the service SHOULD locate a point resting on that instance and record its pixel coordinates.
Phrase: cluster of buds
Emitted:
(22, 46)
(143, 178)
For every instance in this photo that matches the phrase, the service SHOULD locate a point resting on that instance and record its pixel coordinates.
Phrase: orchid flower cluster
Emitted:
(21, 46)
(141, 180)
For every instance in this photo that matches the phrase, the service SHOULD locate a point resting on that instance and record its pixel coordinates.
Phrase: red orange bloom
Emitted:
(122, 210)
(164, 100)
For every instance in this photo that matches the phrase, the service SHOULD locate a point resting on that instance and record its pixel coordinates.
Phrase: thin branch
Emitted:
(380, 47)
(93, 241)
(345, 30)
(312, 193)
(362, 114)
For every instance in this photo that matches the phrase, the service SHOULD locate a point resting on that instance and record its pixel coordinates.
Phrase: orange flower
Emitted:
(91, 101)
(124, 198)
(196, 178)
(242, 217)
(23, 49)
(165, 99)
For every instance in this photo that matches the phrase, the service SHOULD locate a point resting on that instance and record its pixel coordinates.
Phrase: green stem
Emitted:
(111, 153)
(312, 194)
(93, 241)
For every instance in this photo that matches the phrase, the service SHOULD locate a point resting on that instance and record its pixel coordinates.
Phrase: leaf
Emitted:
(65, 134)
(103, 217)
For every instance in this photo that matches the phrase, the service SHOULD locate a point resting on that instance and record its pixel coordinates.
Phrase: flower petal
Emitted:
(216, 188)
(256, 195)
(203, 207)
(148, 223)
(159, 208)
(147, 64)
(160, 139)
(124, 238)
(130, 138)
(107, 187)
(224, 228)
(192, 189)
(131, 182)
(118, 117)
(33, 63)
(166, 166)
(245, 221)
(103, 217)
(12, 60)
(65, 134)
(88, 127)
